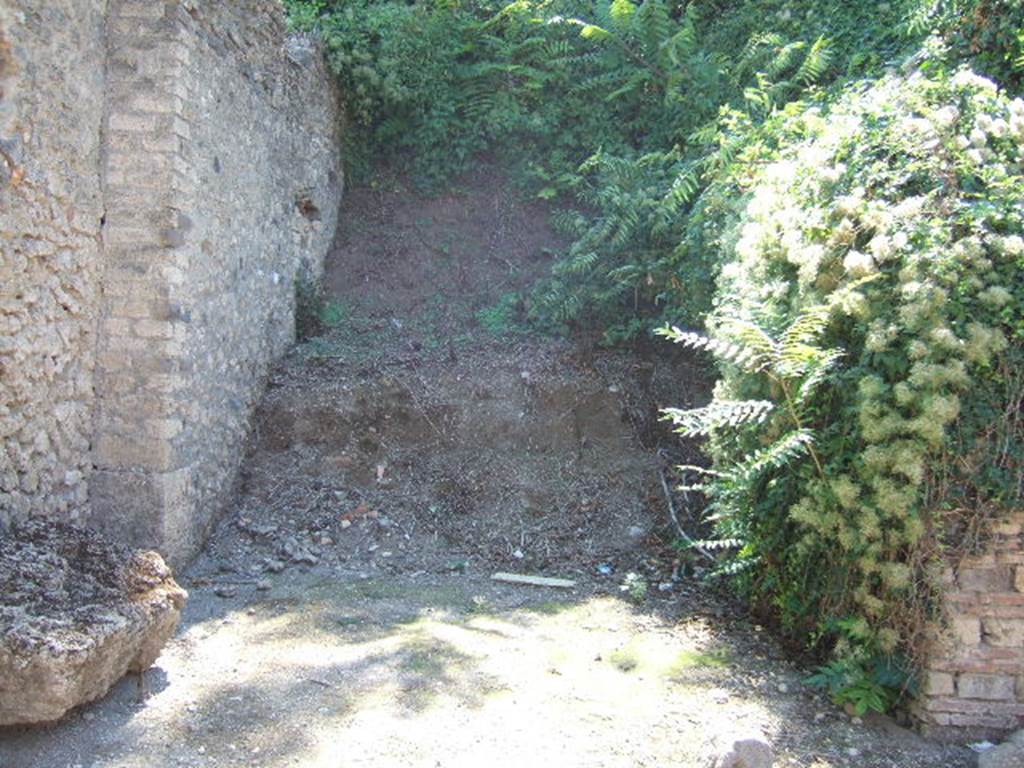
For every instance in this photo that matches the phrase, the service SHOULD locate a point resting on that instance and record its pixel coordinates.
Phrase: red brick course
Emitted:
(974, 680)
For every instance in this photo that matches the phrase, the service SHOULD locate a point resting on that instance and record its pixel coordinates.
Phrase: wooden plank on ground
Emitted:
(536, 581)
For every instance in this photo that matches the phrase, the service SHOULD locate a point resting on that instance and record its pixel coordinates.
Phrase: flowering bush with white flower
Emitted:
(901, 211)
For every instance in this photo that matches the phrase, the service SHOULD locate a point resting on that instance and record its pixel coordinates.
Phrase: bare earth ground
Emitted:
(343, 613)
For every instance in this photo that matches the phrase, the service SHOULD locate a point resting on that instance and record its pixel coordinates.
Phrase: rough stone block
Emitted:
(1007, 528)
(966, 630)
(753, 751)
(1008, 755)
(994, 579)
(142, 8)
(124, 452)
(986, 687)
(121, 121)
(76, 614)
(153, 329)
(163, 429)
(939, 684)
(1008, 633)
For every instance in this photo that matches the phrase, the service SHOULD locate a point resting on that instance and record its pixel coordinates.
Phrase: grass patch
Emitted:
(625, 659)
(425, 660)
(692, 659)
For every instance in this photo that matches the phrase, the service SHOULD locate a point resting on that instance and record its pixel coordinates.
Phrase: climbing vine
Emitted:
(896, 226)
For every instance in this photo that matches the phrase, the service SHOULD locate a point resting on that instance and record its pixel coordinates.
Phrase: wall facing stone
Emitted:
(51, 110)
(223, 142)
(973, 687)
(207, 144)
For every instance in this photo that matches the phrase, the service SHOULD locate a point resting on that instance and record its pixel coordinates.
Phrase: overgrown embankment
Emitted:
(827, 190)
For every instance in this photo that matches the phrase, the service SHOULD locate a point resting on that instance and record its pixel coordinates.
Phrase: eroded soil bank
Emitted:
(343, 613)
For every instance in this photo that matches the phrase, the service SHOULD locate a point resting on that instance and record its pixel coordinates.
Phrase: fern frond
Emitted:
(717, 415)
(815, 64)
(684, 188)
(580, 262)
(796, 360)
(816, 375)
(699, 470)
(809, 325)
(653, 25)
(599, 82)
(719, 544)
(761, 347)
(785, 59)
(726, 351)
(705, 135)
(776, 455)
(569, 222)
(734, 567)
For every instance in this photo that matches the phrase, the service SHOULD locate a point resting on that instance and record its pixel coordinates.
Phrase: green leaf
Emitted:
(621, 11)
(594, 32)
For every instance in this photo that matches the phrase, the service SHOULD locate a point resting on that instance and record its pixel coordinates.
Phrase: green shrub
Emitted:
(899, 213)
(404, 71)
(503, 317)
(991, 33)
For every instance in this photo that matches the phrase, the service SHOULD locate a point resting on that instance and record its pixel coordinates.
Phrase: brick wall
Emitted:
(169, 168)
(974, 685)
(140, 361)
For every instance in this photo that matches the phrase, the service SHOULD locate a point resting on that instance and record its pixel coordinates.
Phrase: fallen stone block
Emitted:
(76, 614)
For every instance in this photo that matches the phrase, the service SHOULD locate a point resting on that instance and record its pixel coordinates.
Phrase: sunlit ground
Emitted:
(449, 684)
(451, 673)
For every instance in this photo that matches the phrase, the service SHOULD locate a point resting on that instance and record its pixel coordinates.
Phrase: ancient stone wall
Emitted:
(974, 685)
(51, 206)
(223, 145)
(209, 150)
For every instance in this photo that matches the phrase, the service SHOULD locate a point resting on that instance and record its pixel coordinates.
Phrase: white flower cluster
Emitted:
(920, 267)
(995, 121)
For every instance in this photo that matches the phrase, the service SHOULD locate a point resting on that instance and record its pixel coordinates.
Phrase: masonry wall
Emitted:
(264, 155)
(171, 167)
(974, 685)
(51, 110)
(223, 183)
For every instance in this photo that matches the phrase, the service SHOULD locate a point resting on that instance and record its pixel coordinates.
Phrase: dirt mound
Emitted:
(403, 255)
(425, 428)
(513, 456)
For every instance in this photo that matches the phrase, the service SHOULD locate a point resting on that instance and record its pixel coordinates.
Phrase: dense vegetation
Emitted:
(826, 191)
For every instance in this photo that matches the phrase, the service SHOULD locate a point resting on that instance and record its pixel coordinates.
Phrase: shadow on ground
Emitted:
(457, 670)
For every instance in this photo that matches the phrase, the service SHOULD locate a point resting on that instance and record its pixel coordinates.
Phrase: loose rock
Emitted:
(76, 614)
(751, 752)
(1007, 755)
